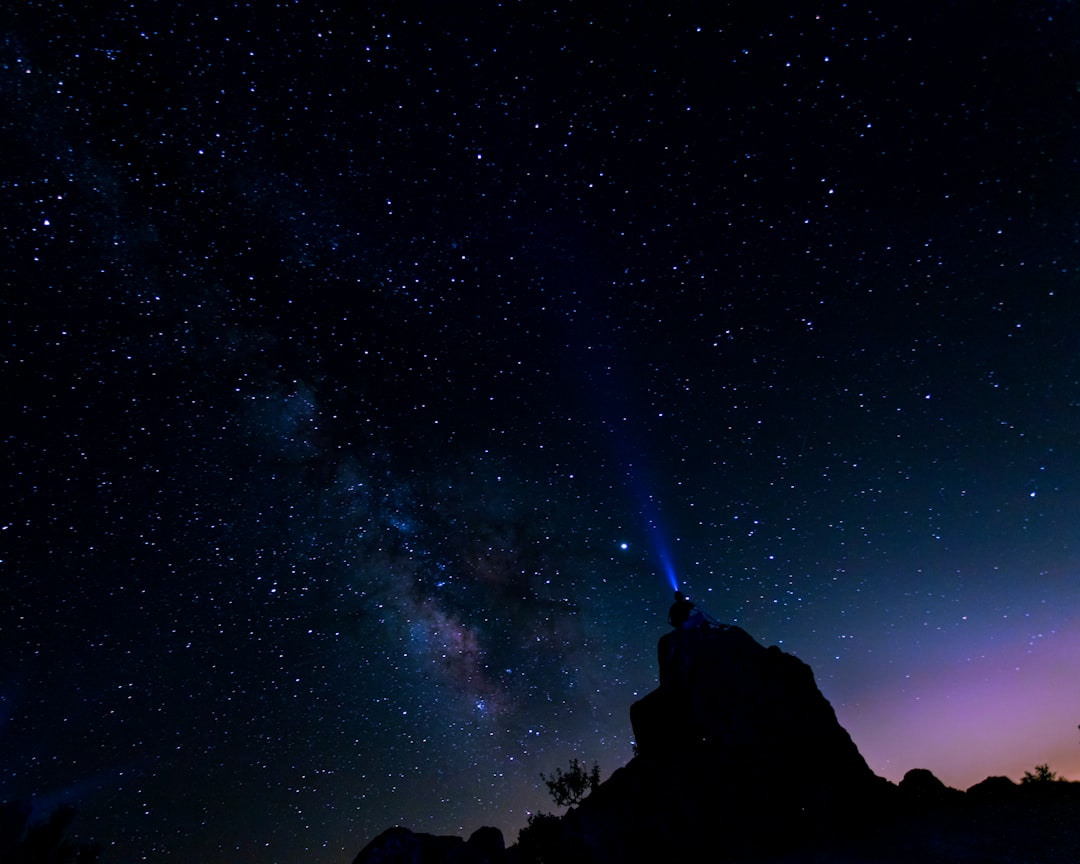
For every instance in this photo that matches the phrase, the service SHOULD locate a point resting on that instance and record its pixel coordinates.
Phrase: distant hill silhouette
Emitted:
(24, 840)
(741, 759)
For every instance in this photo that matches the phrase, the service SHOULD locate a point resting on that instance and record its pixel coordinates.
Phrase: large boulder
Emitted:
(736, 741)
(753, 715)
(740, 758)
(402, 846)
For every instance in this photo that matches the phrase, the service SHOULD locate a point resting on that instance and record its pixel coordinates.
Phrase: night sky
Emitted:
(371, 376)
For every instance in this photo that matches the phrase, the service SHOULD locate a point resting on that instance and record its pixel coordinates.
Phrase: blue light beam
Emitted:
(657, 538)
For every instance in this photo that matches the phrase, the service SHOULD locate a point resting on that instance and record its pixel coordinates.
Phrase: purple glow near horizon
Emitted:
(339, 371)
(975, 705)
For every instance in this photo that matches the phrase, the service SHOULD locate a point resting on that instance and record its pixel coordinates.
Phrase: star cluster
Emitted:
(371, 371)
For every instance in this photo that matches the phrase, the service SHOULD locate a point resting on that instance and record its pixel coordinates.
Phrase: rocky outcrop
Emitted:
(402, 846)
(740, 758)
(736, 745)
(751, 714)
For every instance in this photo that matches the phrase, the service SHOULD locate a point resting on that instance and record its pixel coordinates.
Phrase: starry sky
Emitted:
(372, 374)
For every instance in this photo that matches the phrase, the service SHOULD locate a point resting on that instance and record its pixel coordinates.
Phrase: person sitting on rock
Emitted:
(681, 611)
(684, 614)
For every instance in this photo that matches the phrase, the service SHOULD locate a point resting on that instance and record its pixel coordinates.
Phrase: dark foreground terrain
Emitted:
(741, 759)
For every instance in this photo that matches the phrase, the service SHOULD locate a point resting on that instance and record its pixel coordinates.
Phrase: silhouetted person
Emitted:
(680, 611)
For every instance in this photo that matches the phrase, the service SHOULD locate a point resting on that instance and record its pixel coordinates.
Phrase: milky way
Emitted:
(372, 375)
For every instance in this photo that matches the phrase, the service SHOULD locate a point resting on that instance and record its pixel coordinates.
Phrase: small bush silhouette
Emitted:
(572, 787)
(545, 841)
(1042, 774)
(541, 839)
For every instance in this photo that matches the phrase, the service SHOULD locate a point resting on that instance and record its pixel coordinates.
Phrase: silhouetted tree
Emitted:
(573, 786)
(1042, 774)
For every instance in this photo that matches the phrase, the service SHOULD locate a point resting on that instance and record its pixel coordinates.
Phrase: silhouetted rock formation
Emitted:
(741, 758)
(737, 745)
(402, 846)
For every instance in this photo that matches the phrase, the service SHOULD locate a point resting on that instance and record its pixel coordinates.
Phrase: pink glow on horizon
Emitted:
(1015, 705)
